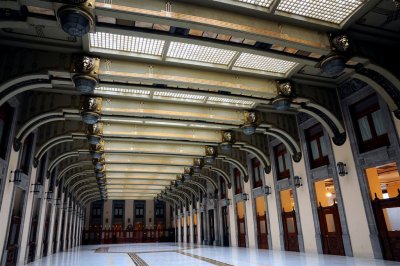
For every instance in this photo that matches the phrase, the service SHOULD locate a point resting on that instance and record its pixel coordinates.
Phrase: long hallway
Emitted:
(171, 254)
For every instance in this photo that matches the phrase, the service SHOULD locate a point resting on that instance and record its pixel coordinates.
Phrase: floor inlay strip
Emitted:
(215, 262)
(137, 260)
(101, 250)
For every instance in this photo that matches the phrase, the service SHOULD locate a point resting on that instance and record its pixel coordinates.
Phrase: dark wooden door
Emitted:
(45, 237)
(188, 233)
(225, 226)
(211, 223)
(55, 232)
(12, 245)
(262, 232)
(331, 230)
(32, 239)
(389, 238)
(290, 231)
(195, 233)
(241, 232)
(202, 224)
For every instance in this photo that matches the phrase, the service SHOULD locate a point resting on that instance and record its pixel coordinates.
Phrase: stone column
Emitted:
(191, 223)
(304, 209)
(354, 206)
(249, 215)
(65, 210)
(52, 221)
(273, 214)
(60, 218)
(396, 123)
(179, 228)
(41, 221)
(232, 218)
(199, 225)
(70, 219)
(6, 204)
(26, 226)
(185, 224)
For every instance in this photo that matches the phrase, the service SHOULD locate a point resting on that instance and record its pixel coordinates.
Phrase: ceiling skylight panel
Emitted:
(199, 53)
(178, 96)
(263, 3)
(126, 43)
(131, 92)
(228, 101)
(334, 11)
(264, 63)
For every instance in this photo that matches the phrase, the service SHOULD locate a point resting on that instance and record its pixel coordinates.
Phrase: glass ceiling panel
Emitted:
(125, 43)
(264, 63)
(334, 11)
(228, 101)
(263, 3)
(199, 53)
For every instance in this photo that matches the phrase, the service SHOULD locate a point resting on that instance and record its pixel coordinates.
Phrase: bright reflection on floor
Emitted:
(171, 254)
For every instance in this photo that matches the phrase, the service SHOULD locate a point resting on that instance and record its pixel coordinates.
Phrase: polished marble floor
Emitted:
(171, 254)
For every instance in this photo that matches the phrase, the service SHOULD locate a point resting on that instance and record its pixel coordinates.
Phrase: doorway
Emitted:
(261, 216)
(384, 185)
(289, 221)
(14, 229)
(188, 229)
(329, 219)
(194, 227)
(241, 224)
(212, 227)
(225, 226)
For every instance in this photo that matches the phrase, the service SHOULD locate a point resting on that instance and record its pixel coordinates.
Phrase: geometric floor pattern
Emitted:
(171, 254)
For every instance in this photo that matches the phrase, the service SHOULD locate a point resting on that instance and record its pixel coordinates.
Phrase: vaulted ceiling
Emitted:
(171, 78)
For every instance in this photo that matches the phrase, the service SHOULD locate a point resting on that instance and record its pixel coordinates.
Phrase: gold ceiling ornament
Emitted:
(97, 150)
(91, 109)
(197, 165)
(211, 153)
(84, 70)
(285, 94)
(251, 120)
(227, 140)
(95, 132)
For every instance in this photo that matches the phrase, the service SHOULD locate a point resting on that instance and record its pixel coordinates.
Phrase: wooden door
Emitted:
(32, 240)
(211, 223)
(262, 232)
(389, 238)
(225, 226)
(195, 233)
(188, 233)
(290, 231)
(45, 237)
(331, 230)
(241, 232)
(202, 224)
(55, 232)
(12, 245)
